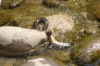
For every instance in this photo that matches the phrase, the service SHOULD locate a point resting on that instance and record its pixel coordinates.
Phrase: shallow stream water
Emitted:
(30, 10)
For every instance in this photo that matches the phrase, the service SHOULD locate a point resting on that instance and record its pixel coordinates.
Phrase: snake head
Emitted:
(41, 24)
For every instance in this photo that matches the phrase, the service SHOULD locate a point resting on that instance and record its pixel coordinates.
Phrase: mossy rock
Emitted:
(53, 3)
(86, 50)
(76, 5)
(4, 17)
(10, 3)
(5, 4)
(94, 9)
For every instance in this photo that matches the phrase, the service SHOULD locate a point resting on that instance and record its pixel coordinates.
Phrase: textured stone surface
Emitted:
(18, 40)
(4, 17)
(40, 62)
(61, 22)
(87, 52)
(94, 9)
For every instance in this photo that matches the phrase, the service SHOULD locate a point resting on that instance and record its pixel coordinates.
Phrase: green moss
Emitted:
(82, 43)
(4, 17)
(94, 9)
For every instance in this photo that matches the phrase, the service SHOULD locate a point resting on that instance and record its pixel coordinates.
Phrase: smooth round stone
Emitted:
(62, 22)
(15, 3)
(17, 40)
(10, 3)
(40, 61)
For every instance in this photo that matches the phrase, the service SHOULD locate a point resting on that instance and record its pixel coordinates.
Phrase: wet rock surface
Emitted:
(4, 61)
(40, 61)
(52, 3)
(77, 5)
(62, 22)
(88, 51)
(4, 17)
(10, 4)
(15, 3)
(63, 55)
(93, 8)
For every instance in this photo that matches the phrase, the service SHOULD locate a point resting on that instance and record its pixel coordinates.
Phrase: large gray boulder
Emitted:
(17, 41)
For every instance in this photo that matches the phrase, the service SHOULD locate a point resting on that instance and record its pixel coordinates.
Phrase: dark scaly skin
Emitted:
(43, 21)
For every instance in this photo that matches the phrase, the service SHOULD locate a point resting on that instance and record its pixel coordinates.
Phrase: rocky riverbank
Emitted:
(73, 21)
